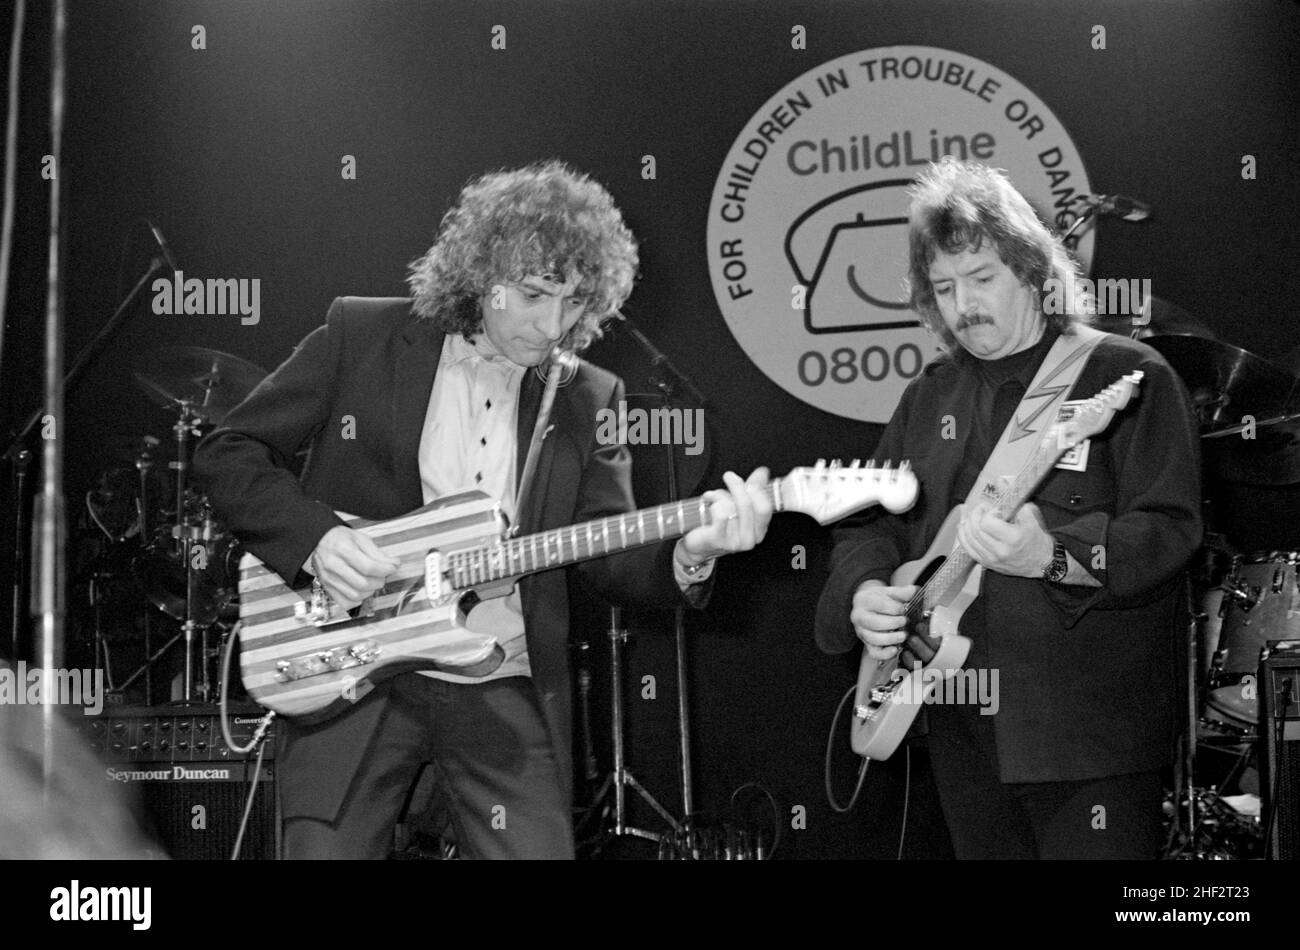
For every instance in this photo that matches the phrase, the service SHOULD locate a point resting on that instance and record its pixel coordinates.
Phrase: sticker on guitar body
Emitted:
(1076, 458)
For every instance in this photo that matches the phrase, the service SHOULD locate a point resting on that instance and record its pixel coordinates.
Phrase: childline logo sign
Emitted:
(807, 231)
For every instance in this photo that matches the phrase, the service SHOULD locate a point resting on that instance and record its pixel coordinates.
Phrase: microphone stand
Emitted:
(668, 382)
(49, 515)
(20, 457)
(1088, 214)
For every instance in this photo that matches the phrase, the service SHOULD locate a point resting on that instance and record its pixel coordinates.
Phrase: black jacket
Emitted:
(1088, 677)
(356, 391)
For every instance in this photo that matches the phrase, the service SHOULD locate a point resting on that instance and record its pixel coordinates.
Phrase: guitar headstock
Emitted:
(829, 492)
(1096, 413)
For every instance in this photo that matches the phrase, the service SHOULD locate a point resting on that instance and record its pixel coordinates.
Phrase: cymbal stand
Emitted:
(144, 464)
(187, 425)
(1193, 707)
(97, 577)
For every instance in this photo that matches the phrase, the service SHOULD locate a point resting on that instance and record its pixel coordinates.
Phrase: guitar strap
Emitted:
(539, 435)
(1037, 412)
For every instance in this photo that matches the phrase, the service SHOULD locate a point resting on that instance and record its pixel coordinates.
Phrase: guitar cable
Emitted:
(258, 741)
(862, 775)
(826, 773)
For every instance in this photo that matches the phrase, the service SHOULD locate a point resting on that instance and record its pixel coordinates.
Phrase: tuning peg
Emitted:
(857, 463)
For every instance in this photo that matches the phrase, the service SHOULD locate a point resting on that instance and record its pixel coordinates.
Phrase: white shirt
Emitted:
(469, 441)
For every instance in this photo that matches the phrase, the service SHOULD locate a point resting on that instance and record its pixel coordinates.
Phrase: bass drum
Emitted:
(213, 579)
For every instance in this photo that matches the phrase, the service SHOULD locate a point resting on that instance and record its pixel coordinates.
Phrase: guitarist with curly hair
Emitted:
(405, 401)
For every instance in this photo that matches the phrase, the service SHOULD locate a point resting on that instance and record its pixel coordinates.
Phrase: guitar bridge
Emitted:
(321, 611)
(361, 653)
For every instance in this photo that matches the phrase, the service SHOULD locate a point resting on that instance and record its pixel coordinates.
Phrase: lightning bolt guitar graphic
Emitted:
(1021, 429)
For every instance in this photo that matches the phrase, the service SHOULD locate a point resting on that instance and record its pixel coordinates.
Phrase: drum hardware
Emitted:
(1248, 411)
(1244, 595)
(199, 384)
(202, 386)
(1221, 833)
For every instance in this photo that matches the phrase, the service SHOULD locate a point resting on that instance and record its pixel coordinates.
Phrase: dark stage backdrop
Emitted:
(235, 151)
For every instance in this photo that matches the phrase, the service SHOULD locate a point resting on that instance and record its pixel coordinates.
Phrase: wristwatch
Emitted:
(1058, 566)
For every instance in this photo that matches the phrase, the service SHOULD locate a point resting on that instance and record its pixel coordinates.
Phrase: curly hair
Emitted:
(957, 206)
(544, 219)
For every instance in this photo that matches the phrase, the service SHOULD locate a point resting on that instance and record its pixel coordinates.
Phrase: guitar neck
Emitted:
(959, 563)
(560, 547)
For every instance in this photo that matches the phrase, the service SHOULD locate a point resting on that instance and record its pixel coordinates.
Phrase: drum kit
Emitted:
(156, 559)
(1247, 592)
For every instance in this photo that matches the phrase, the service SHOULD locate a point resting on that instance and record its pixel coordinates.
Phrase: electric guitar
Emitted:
(305, 656)
(890, 695)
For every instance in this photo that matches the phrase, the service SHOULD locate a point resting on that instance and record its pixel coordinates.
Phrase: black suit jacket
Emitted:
(356, 390)
(1089, 677)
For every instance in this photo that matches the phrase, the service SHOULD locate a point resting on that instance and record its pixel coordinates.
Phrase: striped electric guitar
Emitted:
(890, 694)
(306, 657)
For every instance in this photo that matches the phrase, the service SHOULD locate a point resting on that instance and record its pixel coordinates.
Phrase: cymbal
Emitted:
(210, 383)
(1160, 317)
(1227, 384)
(1225, 381)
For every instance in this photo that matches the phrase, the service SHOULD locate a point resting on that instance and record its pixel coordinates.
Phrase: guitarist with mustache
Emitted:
(1082, 604)
(403, 401)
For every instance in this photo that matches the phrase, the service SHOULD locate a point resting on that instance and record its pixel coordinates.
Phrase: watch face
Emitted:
(1059, 567)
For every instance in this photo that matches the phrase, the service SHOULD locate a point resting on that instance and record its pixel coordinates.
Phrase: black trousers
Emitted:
(492, 757)
(1116, 817)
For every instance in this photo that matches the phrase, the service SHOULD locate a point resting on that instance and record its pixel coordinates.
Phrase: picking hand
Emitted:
(879, 617)
(350, 565)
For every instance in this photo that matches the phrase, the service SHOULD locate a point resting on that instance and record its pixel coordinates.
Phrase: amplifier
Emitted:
(172, 733)
(190, 787)
(1279, 731)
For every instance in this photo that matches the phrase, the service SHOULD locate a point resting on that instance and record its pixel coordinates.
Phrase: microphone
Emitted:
(1117, 206)
(162, 244)
(657, 358)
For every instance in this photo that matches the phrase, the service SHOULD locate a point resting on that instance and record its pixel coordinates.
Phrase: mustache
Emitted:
(973, 320)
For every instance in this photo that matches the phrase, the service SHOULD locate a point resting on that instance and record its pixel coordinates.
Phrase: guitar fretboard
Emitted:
(559, 547)
(958, 565)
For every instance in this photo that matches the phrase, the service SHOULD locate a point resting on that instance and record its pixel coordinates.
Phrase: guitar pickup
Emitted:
(361, 653)
(433, 579)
